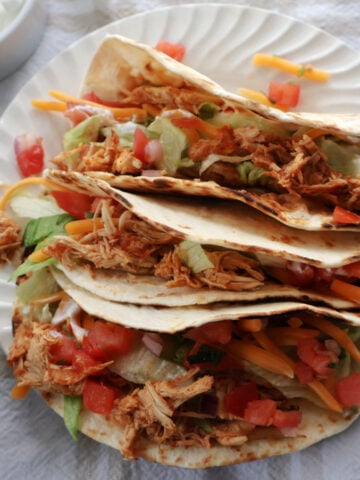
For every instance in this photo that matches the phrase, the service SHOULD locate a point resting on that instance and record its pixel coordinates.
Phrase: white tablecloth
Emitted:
(34, 444)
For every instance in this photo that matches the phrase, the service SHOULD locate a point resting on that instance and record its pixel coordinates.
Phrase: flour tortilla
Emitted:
(176, 319)
(224, 224)
(317, 424)
(121, 64)
(123, 287)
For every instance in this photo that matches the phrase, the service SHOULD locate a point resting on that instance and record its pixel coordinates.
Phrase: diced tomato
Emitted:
(29, 154)
(301, 274)
(315, 355)
(105, 340)
(187, 122)
(295, 273)
(75, 203)
(304, 372)
(174, 50)
(236, 401)
(353, 269)
(286, 419)
(63, 351)
(345, 217)
(284, 94)
(83, 360)
(98, 397)
(260, 412)
(76, 115)
(347, 390)
(214, 332)
(108, 103)
(140, 142)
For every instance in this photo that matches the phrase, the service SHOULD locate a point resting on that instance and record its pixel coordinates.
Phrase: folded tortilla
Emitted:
(175, 319)
(156, 415)
(294, 167)
(141, 259)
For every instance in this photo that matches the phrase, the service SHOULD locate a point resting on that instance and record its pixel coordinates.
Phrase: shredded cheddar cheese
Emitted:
(286, 66)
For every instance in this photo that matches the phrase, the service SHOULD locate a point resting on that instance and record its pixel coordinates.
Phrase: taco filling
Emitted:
(223, 383)
(145, 117)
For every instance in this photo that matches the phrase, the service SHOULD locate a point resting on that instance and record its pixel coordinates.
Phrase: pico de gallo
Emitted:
(226, 382)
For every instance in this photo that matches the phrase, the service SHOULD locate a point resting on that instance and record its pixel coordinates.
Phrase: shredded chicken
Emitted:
(139, 248)
(100, 252)
(29, 355)
(10, 238)
(232, 271)
(136, 247)
(294, 164)
(108, 156)
(170, 97)
(155, 403)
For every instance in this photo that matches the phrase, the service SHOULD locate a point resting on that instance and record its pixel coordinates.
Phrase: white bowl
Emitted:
(20, 38)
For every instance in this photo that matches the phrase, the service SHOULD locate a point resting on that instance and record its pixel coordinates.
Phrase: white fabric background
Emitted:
(33, 442)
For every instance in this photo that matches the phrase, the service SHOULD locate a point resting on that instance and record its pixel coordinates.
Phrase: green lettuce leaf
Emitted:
(39, 284)
(86, 131)
(40, 228)
(343, 158)
(173, 142)
(247, 119)
(72, 409)
(29, 266)
(40, 232)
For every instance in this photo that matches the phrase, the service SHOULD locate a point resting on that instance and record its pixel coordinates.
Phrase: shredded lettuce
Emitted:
(247, 119)
(72, 409)
(173, 142)
(290, 387)
(39, 284)
(194, 256)
(86, 131)
(343, 158)
(125, 131)
(215, 157)
(140, 365)
(29, 266)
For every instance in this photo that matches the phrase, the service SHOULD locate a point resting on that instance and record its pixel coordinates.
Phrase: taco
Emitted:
(210, 389)
(155, 125)
(170, 252)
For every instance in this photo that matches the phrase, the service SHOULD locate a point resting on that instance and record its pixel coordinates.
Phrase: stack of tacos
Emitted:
(193, 318)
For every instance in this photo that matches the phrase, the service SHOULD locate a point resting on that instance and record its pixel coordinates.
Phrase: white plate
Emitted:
(220, 41)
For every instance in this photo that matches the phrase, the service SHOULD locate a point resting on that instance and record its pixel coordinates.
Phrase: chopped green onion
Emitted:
(194, 256)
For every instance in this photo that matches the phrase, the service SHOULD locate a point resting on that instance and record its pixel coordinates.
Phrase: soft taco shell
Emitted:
(225, 224)
(172, 320)
(123, 287)
(121, 64)
(317, 424)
